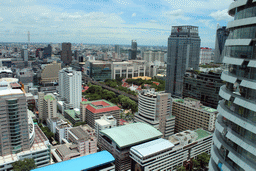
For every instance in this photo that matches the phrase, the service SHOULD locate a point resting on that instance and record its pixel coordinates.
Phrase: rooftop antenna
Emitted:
(28, 37)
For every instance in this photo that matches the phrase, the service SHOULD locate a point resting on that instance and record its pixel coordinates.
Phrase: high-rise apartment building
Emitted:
(14, 128)
(155, 108)
(117, 51)
(47, 106)
(235, 134)
(66, 53)
(221, 36)
(134, 50)
(70, 87)
(151, 56)
(205, 55)
(50, 107)
(183, 53)
(190, 114)
(24, 54)
(20, 138)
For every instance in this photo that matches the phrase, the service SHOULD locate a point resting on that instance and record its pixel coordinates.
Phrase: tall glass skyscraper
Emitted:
(221, 36)
(235, 134)
(183, 53)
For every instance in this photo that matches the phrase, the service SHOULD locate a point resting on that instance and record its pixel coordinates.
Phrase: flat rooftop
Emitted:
(49, 97)
(81, 163)
(132, 134)
(202, 107)
(202, 133)
(152, 147)
(79, 133)
(73, 113)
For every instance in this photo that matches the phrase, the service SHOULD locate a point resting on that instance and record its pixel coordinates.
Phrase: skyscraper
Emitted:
(183, 53)
(48, 51)
(221, 36)
(66, 53)
(70, 87)
(14, 131)
(134, 50)
(235, 134)
(117, 51)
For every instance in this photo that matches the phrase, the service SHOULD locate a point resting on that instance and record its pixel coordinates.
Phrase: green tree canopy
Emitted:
(24, 165)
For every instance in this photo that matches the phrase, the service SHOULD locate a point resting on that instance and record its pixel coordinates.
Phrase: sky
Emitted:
(109, 21)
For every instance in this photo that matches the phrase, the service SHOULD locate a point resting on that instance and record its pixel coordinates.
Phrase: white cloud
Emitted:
(176, 14)
(134, 15)
(194, 5)
(221, 15)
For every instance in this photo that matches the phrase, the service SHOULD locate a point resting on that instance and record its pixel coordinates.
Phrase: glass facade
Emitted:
(100, 72)
(237, 115)
(183, 53)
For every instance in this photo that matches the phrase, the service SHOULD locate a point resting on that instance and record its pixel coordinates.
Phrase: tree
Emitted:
(182, 168)
(79, 123)
(24, 165)
(196, 164)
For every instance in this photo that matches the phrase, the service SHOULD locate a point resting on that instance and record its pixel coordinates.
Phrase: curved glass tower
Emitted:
(235, 134)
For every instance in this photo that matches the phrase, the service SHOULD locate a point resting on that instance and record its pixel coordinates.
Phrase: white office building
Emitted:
(162, 154)
(70, 87)
(104, 122)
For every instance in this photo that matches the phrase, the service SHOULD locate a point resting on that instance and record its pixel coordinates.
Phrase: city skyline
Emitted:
(109, 21)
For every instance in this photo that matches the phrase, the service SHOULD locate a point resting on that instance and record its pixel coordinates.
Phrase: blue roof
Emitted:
(81, 163)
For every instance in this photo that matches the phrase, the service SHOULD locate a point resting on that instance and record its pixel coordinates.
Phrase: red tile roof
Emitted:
(102, 110)
(100, 103)
(156, 83)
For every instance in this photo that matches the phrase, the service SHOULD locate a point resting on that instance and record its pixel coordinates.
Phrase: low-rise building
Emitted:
(104, 122)
(85, 139)
(119, 140)
(162, 154)
(190, 114)
(72, 115)
(80, 141)
(93, 110)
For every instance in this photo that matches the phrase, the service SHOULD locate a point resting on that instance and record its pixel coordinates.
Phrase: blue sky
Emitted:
(109, 21)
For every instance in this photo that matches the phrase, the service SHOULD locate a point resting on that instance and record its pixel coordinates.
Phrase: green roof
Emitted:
(49, 97)
(202, 133)
(73, 114)
(132, 134)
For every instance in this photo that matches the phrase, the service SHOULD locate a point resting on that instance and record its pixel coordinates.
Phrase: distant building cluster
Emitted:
(207, 109)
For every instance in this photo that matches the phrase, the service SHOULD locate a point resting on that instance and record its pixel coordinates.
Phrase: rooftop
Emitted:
(100, 106)
(202, 133)
(202, 107)
(49, 97)
(81, 163)
(152, 147)
(137, 133)
(79, 133)
(73, 114)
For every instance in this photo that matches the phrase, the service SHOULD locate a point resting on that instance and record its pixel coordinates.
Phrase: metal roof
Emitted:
(81, 163)
(132, 134)
(152, 147)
